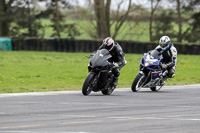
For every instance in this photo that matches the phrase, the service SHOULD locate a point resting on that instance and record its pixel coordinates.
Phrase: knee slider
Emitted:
(171, 75)
(116, 72)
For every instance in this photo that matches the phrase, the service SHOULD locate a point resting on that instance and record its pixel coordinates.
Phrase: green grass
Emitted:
(51, 71)
(129, 31)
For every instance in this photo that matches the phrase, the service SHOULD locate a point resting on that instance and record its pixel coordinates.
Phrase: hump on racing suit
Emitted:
(117, 55)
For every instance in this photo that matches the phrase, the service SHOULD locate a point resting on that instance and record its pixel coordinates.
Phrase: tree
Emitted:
(179, 21)
(120, 19)
(153, 9)
(183, 6)
(26, 21)
(4, 19)
(57, 18)
(164, 25)
(102, 12)
(105, 21)
(192, 32)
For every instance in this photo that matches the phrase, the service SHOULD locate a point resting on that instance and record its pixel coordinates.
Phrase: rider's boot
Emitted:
(115, 80)
(162, 82)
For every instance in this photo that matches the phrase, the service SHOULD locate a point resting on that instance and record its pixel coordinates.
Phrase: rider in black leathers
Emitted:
(169, 53)
(117, 60)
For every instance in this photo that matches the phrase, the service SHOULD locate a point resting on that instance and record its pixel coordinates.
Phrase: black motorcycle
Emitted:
(100, 76)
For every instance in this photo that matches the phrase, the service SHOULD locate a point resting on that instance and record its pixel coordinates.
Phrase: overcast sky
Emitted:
(144, 3)
(114, 3)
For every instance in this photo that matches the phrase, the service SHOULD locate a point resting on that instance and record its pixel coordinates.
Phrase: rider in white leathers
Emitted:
(169, 53)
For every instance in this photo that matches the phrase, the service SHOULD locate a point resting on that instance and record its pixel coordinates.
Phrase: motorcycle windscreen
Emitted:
(155, 54)
(100, 59)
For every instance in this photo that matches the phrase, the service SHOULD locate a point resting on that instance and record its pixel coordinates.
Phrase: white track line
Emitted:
(195, 86)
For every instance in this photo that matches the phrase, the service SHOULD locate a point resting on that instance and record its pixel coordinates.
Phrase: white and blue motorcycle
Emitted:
(150, 72)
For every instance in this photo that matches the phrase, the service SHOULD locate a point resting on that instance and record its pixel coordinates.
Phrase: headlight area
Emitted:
(146, 64)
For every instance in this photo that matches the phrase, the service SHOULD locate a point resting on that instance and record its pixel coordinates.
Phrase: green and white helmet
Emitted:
(165, 42)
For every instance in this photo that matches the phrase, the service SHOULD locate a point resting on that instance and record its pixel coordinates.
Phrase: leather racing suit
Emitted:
(169, 59)
(117, 58)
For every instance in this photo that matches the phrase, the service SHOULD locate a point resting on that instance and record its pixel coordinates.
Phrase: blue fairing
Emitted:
(152, 60)
(155, 74)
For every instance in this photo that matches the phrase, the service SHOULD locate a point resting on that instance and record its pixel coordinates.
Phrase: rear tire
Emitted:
(108, 91)
(87, 87)
(153, 88)
(136, 85)
(157, 88)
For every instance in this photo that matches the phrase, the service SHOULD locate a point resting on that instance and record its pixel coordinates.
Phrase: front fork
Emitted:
(146, 76)
(141, 72)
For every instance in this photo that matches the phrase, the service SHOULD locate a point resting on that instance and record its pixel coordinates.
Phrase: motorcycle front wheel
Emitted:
(87, 85)
(137, 83)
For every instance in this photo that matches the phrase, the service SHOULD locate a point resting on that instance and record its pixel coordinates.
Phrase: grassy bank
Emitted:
(135, 31)
(51, 71)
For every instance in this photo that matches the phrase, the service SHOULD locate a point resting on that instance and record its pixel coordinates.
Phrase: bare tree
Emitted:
(121, 19)
(153, 9)
(102, 11)
(179, 21)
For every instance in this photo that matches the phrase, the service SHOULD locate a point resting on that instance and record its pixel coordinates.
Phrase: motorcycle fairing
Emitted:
(100, 58)
(154, 79)
(151, 60)
(155, 74)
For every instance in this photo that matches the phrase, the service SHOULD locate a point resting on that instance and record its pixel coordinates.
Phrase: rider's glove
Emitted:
(115, 64)
(163, 66)
(110, 64)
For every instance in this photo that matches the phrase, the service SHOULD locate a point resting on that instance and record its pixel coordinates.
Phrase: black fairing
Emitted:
(100, 58)
(100, 65)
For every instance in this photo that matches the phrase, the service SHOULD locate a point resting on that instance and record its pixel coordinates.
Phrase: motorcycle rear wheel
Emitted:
(87, 86)
(108, 91)
(157, 88)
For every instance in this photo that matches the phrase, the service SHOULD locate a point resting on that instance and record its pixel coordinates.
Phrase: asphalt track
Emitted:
(174, 109)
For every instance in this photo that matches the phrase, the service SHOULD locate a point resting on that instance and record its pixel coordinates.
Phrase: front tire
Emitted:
(137, 82)
(87, 86)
